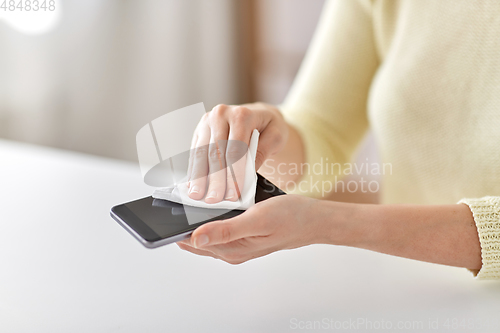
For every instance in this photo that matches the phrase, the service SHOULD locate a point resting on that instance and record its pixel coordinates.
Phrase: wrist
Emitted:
(346, 224)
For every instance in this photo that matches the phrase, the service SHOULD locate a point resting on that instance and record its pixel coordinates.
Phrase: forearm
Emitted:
(443, 234)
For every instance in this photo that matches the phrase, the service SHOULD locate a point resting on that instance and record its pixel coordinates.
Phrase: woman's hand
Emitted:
(283, 222)
(442, 234)
(220, 143)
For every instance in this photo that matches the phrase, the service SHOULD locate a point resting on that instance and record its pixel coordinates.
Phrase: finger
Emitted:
(194, 140)
(230, 230)
(199, 172)
(191, 158)
(236, 157)
(200, 252)
(270, 142)
(186, 241)
(242, 250)
(216, 160)
(235, 252)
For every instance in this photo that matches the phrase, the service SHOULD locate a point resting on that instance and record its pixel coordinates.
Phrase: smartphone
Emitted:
(155, 222)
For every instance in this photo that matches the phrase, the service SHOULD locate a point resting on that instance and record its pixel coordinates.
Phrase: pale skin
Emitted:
(442, 234)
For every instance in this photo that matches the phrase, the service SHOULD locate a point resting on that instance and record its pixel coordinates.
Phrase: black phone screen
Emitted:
(155, 219)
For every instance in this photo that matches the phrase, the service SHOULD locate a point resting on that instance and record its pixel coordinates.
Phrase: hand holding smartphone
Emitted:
(155, 222)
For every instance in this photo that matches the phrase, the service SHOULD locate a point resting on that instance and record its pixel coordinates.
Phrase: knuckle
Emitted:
(216, 184)
(219, 110)
(235, 151)
(220, 106)
(218, 173)
(226, 234)
(199, 175)
(241, 114)
(201, 152)
(198, 178)
(214, 154)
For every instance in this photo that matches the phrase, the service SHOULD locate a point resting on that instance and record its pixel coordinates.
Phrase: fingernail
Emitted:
(201, 240)
(230, 193)
(212, 194)
(194, 189)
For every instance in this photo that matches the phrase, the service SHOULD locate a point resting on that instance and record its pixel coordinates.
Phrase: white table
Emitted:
(66, 266)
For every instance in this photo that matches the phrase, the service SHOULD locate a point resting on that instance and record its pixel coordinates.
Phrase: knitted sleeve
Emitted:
(486, 212)
(327, 103)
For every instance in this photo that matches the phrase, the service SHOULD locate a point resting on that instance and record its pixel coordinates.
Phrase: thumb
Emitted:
(270, 142)
(225, 231)
(260, 158)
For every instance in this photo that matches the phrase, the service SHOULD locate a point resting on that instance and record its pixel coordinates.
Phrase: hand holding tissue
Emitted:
(166, 158)
(179, 192)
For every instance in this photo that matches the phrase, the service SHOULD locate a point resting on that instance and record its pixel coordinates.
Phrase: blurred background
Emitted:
(89, 74)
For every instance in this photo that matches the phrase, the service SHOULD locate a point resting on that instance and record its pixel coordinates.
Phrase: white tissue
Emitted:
(179, 192)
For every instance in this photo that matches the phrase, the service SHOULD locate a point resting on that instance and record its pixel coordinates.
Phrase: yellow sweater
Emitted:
(425, 77)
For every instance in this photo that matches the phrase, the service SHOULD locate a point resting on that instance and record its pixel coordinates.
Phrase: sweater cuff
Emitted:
(486, 213)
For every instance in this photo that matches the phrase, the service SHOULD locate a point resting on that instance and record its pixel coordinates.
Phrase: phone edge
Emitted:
(145, 243)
